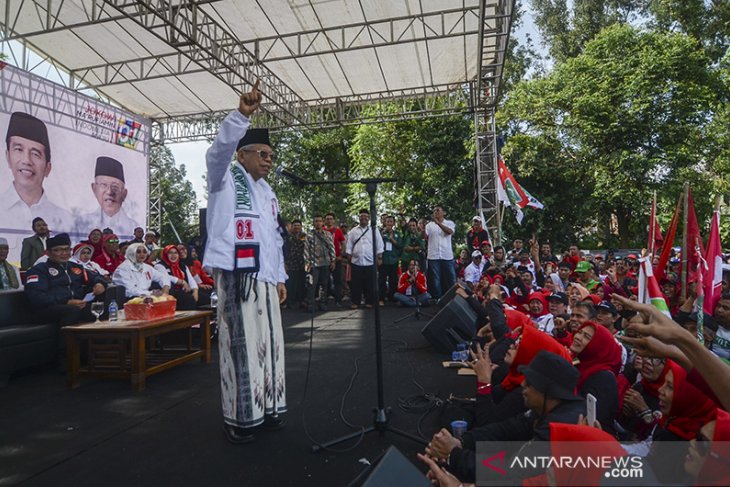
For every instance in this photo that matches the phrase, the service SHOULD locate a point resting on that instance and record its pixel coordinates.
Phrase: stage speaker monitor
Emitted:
(455, 323)
(449, 295)
(392, 468)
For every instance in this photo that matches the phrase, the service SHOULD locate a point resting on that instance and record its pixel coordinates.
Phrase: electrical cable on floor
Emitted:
(342, 402)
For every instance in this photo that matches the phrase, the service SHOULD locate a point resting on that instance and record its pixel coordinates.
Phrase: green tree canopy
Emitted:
(631, 114)
(178, 199)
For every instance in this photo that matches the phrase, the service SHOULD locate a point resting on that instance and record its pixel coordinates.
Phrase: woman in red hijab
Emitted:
(684, 410)
(573, 445)
(599, 361)
(640, 405)
(500, 401)
(537, 305)
(182, 284)
(109, 257)
(95, 240)
(708, 458)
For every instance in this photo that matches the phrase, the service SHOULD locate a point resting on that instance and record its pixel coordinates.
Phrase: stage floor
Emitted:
(171, 433)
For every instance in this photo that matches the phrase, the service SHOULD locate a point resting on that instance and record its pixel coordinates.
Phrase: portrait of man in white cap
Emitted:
(110, 192)
(28, 155)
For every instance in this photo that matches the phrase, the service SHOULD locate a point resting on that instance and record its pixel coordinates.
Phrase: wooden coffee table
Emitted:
(127, 341)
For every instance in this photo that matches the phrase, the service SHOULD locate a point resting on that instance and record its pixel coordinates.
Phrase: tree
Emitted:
(628, 115)
(178, 199)
(315, 156)
(566, 29)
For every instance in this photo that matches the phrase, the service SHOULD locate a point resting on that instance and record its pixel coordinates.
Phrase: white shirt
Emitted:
(173, 280)
(91, 265)
(473, 273)
(120, 222)
(138, 282)
(16, 219)
(439, 243)
(362, 251)
(219, 251)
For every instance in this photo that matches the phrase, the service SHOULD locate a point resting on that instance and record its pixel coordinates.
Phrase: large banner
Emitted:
(69, 159)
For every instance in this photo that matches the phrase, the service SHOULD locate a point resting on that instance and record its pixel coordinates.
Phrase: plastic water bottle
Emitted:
(213, 299)
(113, 310)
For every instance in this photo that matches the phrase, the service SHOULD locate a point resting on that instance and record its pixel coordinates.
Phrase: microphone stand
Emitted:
(381, 422)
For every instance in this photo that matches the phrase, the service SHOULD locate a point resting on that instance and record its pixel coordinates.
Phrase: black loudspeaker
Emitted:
(449, 295)
(392, 468)
(455, 323)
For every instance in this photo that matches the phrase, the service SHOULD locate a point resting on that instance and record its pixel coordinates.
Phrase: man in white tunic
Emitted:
(245, 251)
(28, 154)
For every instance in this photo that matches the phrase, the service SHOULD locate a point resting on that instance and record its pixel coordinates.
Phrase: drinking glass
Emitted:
(97, 309)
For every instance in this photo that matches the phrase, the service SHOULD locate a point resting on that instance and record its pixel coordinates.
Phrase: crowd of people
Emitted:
(61, 279)
(554, 330)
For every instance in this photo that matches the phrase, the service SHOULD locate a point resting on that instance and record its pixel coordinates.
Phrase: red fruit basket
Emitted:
(151, 311)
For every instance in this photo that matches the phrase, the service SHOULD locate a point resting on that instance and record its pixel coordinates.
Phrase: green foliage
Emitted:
(705, 21)
(567, 26)
(179, 204)
(629, 115)
(430, 159)
(316, 156)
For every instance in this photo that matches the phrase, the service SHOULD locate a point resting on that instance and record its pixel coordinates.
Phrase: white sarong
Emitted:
(251, 350)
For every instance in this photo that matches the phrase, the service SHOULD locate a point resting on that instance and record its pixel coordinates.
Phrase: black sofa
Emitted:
(23, 342)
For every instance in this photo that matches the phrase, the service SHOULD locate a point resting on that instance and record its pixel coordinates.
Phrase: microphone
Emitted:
(298, 180)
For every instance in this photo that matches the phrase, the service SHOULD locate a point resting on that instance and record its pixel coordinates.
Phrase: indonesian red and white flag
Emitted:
(649, 291)
(712, 277)
(511, 194)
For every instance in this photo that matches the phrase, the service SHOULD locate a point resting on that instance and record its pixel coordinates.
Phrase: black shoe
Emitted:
(237, 435)
(323, 307)
(274, 423)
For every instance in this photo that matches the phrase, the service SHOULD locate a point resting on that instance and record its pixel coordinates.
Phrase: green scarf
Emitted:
(12, 276)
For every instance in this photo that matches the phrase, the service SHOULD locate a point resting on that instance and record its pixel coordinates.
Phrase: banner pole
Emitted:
(685, 244)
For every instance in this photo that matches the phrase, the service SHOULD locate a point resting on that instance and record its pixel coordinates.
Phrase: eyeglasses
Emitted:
(262, 154)
(113, 240)
(114, 187)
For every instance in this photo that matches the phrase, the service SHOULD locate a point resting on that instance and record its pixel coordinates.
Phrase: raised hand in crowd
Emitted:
(482, 364)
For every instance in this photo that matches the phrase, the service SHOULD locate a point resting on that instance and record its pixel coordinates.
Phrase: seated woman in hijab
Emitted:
(95, 240)
(599, 363)
(708, 458)
(188, 256)
(182, 282)
(82, 254)
(137, 276)
(685, 409)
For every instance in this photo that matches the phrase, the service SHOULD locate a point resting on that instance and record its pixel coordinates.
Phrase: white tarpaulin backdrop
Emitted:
(80, 129)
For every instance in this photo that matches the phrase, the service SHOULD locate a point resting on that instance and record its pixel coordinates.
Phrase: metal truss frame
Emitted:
(486, 173)
(200, 43)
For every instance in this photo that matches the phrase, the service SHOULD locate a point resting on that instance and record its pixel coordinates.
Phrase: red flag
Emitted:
(655, 232)
(693, 236)
(661, 268)
(713, 273)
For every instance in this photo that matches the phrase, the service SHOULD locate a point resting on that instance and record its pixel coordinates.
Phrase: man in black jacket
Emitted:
(57, 287)
(549, 393)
